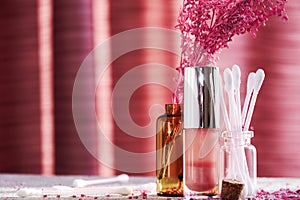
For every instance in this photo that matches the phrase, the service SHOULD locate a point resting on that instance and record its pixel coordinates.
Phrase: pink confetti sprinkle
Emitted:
(283, 193)
(16, 187)
(22, 184)
(144, 196)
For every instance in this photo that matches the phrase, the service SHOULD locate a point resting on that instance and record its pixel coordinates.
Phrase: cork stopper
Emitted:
(231, 189)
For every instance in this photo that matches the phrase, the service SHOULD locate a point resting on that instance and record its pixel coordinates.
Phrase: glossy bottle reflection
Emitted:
(169, 150)
(201, 131)
(201, 161)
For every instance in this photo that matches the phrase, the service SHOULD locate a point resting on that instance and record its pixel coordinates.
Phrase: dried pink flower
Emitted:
(209, 25)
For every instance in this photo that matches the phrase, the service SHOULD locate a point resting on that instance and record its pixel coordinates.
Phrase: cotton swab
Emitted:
(236, 73)
(259, 79)
(228, 79)
(250, 85)
(69, 191)
(123, 178)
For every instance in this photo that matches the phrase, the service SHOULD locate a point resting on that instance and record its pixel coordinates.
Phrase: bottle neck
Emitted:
(173, 109)
(237, 138)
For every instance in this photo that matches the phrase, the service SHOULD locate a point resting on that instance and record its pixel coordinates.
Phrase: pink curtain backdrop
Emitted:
(43, 44)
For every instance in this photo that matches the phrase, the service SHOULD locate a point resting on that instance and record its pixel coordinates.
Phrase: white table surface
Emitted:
(11, 183)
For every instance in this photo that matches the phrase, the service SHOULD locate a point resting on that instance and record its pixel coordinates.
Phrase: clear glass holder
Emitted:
(238, 162)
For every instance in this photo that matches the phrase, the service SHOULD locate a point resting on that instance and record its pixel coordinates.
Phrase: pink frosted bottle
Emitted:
(201, 116)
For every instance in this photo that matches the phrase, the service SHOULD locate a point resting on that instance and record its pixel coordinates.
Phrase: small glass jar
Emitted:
(169, 152)
(238, 160)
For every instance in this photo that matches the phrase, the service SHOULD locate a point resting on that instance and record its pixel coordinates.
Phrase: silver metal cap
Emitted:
(201, 108)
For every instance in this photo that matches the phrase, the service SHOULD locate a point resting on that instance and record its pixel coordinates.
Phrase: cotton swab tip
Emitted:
(123, 178)
(228, 79)
(27, 192)
(259, 79)
(250, 81)
(236, 72)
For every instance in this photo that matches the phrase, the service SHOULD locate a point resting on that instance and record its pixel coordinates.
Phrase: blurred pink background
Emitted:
(44, 42)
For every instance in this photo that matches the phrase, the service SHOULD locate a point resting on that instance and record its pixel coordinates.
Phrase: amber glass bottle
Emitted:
(169, 152)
